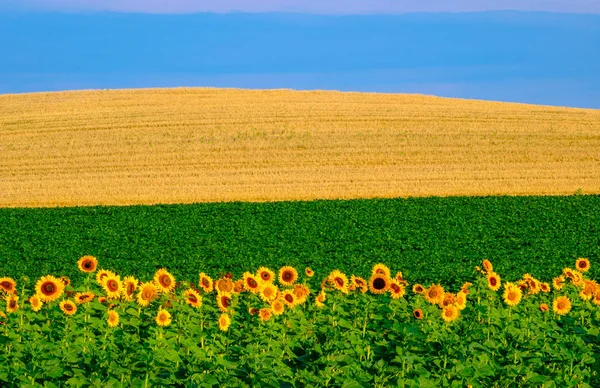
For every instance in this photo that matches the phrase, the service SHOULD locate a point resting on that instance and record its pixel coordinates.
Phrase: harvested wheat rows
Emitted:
(203, 145)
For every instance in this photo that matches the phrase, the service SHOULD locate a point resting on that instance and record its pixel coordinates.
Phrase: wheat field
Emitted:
(186, 145)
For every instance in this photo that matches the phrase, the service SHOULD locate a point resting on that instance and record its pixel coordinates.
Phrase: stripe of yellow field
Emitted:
(186, 145)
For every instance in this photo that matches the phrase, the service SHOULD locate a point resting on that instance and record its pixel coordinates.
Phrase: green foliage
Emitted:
(429, 239)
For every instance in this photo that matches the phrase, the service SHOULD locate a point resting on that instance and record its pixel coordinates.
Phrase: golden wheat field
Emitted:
(188, 145)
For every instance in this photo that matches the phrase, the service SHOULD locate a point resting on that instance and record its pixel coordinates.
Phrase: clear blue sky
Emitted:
(533, 57)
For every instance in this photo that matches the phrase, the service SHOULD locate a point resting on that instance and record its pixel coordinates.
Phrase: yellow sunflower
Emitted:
(379, 283)
(288, 275)
(12, 303)
(544, 307)
(418, 289)
(577, 279)
(589, 289)
(545, 287)
(449, 298)
(561, 305)
(278, 306)
(164, 281)
(88, 264)
(265, 314)
(339, 281)
(558, 282)
(252, 310)
(238, 286)
(512, 294)
(493, 280)
(224, 285)
(8, 285)
(65, 281)
(36, 303)
(84, 297)
(418, 314)
(465, 288)
(102, 274)
(487, 266)
(112, 286)
(206, 282)
(301, 291)
(130, 285)
(450, 313)
(289, 298)
(309, 272)
(434, 294)
(192, 297)
(320, 299)
(251, 282)
(461, 300)
(596, 299)
(397, 290)
(359, 283)
(113, 318)
(268, 292)
(265, 274)
(163, 318)
(582, 265)
(381, 269)
(68, 307)
(49, 288)
(147, 293)
(224, 322)
(223, 301)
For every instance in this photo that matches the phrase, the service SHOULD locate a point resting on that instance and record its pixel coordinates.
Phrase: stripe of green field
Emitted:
(429, 239)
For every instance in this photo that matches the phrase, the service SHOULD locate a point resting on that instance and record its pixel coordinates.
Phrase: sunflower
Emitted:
(224, 322)
(450, 313)
(582, 265)
(36, 303)
(449, 298)
(558, 282)
(288, 275)
(265, 274)
(102, 274)
(418, 314)
(461, 300)
(544, 307)
(164, 281)
(268, 292)
(68, 307)
(309, 272)
(265, 314)
(465, 288)
(418, 289)
(206, 282)
(224, 285)
(359, 283)
(512, 294)
(487, 266)
(147, 293)
(49, 288)
(251, 282)
(301, 291)
(192, 297)
(289, 298)
(253, 310)
(113, 318)
(223, 301)
(65, 281)
(596, 299)
(397, 290)
(381, 269)
(577, 279)
(568, 272)
(130, 285)
(12, 303)
(84, 297)
(102, 299)
(561, 305)
(434, 294)
(493, 280)
(589, 289)
(8, 285)
(533, 286)
(339, 281)
(278, 306)
(238, 286)
(379, 283)
(320, 299)
(545, 287)
(87, 264)
(163, 318)
(523, 285)
(112, 286)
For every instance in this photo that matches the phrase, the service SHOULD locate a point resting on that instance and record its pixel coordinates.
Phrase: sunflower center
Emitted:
(287, 276)
(493, 282)
(433, 294)
(68, 307)
(289, 298)
(339, 282)
(48, 288)
(147, 294)
(395, 288)
(448, 312)
(268, 292)
(130, 288)
(87, 264)
(12, 304)
(165, 281)
(252, 283)
(512, 296)
(112, 285)
(205, 282)
(560, 305)
(6, 285)
(225, 301)
(379, 284)
(265, 276)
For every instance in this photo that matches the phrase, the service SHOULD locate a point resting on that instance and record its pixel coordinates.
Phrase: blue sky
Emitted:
(532, 57)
